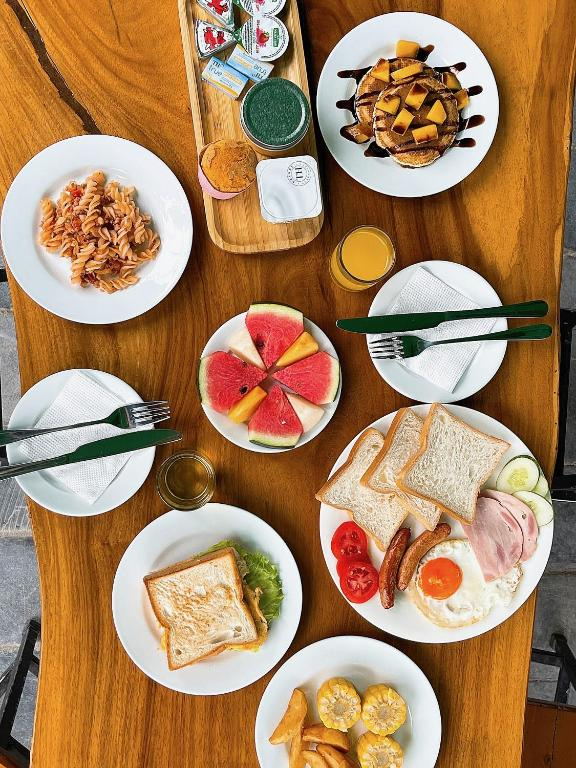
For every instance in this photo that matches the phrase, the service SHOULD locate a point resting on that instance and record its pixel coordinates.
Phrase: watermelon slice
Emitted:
(275, 423)
(273, 328)
(316, 378)
(223, 380)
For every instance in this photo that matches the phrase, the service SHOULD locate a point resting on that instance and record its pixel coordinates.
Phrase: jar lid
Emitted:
(276, 113)
(289, 188)
(264, 37)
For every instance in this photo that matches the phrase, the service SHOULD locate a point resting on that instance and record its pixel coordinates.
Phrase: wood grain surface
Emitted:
(117, 67)
(236, 225)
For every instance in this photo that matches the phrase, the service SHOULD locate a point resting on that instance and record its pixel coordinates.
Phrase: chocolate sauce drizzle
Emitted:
(354, 133)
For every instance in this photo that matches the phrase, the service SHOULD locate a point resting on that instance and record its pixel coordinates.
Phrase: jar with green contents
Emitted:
(275, 116)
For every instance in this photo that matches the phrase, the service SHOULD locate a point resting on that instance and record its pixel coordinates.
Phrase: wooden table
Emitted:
(117, 67)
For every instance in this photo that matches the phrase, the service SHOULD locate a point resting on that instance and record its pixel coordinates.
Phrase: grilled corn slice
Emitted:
(339, 704)
(379, 752)
(383, 710)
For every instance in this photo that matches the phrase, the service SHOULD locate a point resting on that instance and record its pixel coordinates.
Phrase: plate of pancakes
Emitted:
(407, 92)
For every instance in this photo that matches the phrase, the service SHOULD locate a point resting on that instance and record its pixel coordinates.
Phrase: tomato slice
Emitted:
(349, 541)
(342, 565)
(359, 581)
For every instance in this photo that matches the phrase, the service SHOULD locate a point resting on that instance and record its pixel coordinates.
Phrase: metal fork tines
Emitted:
(140, 414)
(386, 348)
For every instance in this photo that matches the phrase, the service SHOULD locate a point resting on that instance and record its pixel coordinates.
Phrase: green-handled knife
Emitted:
(99, 449)
(417, 321)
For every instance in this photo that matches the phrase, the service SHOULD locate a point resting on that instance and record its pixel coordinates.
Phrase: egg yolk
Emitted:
(440, 578)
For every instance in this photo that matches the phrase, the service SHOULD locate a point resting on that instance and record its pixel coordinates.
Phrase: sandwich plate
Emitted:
(238, 433)
(178, 536)
(486, 361)
(404, 619)
(362, 47)
(364, 662)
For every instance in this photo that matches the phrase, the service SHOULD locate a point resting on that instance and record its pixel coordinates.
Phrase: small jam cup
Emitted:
(275, 116)
(208, 187)
(186, 480)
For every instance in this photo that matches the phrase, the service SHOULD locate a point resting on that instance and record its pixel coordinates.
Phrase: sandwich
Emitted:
(401, 443)
(222, 599)
(379, 514)
(452, 464)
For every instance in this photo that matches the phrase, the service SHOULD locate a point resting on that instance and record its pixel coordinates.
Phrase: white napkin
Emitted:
(81, 399)
(443, 366)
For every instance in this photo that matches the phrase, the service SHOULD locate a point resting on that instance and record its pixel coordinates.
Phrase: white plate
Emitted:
(485, 363)
(45, 489)
(178, 536)
(364, 662)
(238, 433)
(45, 276)
(377, 38)
(404, 619)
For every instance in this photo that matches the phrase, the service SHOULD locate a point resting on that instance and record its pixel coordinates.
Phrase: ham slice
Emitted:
(496, 538)
(524, 517)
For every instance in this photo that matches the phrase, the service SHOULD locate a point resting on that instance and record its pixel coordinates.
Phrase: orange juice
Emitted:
(362, 258)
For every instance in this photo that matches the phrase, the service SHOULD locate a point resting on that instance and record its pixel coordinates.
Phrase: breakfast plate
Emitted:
(176, 536)
(486, 361)
(43, 487)
(45, 276)
(361, 48)
(238, 433)
(404, 619)
(363, 662)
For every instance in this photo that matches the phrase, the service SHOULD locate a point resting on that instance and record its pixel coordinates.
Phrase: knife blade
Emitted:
(98, 449)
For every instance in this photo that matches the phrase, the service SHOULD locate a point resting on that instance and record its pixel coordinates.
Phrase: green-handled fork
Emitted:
(402, 347)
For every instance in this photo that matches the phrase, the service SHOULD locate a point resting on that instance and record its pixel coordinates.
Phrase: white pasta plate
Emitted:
(45, 275)
(46, 490)
(404, 619)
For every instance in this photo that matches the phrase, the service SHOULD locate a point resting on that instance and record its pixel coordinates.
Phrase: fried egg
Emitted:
(449, 588)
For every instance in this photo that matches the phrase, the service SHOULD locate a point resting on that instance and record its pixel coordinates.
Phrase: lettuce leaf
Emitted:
(260, 573)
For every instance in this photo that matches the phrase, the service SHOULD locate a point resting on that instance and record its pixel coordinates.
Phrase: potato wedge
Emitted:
(334, 758)
(295, 759)
(292, 719)
(313, 759)
(319, 734)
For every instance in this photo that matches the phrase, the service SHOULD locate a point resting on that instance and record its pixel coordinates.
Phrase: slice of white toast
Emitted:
(200, 602)
(402, 442)
(379, 514)
(453, 463)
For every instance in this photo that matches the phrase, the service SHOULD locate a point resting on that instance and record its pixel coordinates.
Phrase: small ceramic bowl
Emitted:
(208, 187)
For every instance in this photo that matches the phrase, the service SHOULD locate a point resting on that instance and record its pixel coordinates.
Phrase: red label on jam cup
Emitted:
(264, 38)
(211, 39)
(223, 10)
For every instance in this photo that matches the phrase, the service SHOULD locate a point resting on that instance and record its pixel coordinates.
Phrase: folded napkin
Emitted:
(443, 366)
(81, 399)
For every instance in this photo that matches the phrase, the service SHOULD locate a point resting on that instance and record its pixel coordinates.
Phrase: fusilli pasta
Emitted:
(99, 227)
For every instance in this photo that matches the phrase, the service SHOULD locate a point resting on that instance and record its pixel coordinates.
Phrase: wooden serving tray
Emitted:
(236, 225)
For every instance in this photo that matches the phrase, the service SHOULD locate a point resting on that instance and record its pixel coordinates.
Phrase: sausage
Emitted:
(417, 550)
(389, 567)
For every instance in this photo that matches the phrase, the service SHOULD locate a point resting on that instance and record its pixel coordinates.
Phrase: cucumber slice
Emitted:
(542, 508)
(541, 487)
(520, 474)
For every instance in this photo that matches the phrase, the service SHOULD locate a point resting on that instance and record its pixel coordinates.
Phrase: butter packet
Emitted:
(223, 77)
(242, 62)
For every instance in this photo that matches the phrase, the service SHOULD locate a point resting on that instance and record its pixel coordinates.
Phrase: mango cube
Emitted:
(409, 71)
(462, 99)
(416, 96)
(425, 134)
(390, 105)
(437, 113)
(382, 71)
(451, 81)
(246, 408)
(402, 122)
(407, 49)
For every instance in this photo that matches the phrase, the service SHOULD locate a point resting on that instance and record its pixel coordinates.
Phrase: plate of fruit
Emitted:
(269, 379)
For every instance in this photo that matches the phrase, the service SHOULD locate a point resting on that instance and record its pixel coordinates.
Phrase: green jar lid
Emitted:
(275, 112)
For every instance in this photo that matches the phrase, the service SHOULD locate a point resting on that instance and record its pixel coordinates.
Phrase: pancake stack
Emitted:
(409, 109)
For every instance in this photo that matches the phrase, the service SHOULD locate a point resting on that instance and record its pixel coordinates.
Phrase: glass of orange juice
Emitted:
(362, 258)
